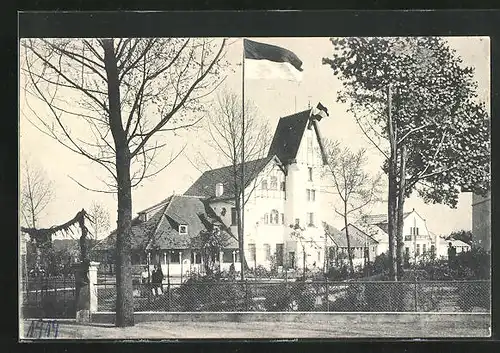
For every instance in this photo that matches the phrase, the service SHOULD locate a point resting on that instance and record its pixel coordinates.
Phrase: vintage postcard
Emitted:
(291, 187)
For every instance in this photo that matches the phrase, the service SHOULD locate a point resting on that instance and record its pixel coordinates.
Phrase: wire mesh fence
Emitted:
(44, 296)
(320, 296)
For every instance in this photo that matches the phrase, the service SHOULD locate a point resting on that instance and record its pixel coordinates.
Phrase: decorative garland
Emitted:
(43, 237)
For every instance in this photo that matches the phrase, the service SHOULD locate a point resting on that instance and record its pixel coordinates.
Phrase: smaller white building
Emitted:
(417, 239)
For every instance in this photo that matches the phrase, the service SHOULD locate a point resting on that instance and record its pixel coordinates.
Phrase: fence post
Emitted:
(415, 294)
(168, 296)
(246, 295)
(327, 294)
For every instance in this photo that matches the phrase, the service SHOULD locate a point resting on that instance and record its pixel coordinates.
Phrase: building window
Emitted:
(282, 218)
(291, 258)
(418, 250)
(183, 229)
(279, 254)
(319, 256)
(267, 252)
(264, 184)
(282, 186)
(233, 216)
(274, 183)
(175, 257)
(252, 252)
(266, 218)
(311, 195)
(223, 212)
(297, 221)
(310, 219)
(274, 217)
(227, 256)
(310, 173)
(433, 249)
(407, 237)
(195, 258)
(424, 246)
(416, 231)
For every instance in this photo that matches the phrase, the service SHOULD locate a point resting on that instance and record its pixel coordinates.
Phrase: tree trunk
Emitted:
(124, 292)
(392, 195)
(400, 210)
(348, 238)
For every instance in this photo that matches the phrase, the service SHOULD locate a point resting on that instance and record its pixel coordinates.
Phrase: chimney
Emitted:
(219, 189)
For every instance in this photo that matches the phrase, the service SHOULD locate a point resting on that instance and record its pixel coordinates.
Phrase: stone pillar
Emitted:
(85, 290)
(92, 286)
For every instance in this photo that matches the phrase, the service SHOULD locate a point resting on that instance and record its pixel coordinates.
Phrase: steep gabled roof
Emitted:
(141, 232)
(205, 185)
(162, 229)
(357, 237)
(331, 231)
(288, 134)
(191, 211)
(376, 231)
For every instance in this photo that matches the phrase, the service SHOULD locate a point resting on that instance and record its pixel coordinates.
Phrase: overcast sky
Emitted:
(274, 99)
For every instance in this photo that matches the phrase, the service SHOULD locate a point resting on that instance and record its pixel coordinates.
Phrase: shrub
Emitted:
(338, 273)
(212, 294)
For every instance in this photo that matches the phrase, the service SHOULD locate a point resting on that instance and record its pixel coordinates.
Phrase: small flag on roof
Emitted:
(319, 112)
(270, 61)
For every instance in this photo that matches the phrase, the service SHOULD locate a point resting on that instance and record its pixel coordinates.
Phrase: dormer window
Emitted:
(183, 229)
(143, 216)
(219, 189)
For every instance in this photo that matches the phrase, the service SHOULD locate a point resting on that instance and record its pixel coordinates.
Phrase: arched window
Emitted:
(274, 217)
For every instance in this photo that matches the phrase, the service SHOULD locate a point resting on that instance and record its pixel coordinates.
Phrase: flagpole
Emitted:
(242, 164)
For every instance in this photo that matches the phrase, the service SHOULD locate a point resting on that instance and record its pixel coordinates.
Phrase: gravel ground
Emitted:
(461, 326)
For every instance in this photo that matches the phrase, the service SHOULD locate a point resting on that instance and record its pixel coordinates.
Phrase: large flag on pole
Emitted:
(270, 61)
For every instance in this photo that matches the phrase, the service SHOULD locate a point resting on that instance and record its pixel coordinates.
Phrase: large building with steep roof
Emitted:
(282, 190)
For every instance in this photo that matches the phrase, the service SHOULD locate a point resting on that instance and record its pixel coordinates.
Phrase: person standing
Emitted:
(157, 278)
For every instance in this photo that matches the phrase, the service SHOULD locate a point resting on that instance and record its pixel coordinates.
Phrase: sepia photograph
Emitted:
(257, 187)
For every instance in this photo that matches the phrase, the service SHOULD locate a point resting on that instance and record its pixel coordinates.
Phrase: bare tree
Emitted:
(356, 188)
(117, 102)
(304, 241)
(99, 222)
(37, 191)
(228, 138)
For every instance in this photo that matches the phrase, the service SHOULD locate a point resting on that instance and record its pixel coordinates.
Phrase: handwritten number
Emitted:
(31, 329)
(56, 329)
(39, 325)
